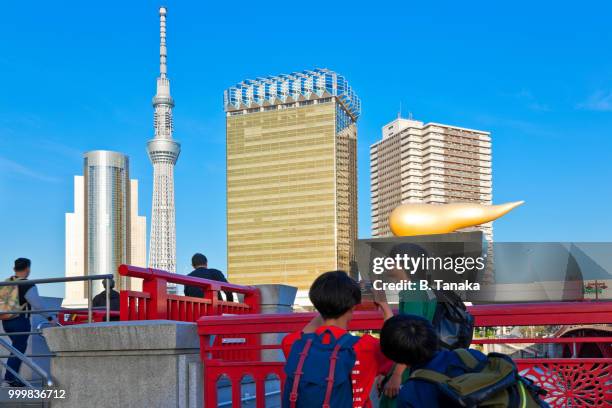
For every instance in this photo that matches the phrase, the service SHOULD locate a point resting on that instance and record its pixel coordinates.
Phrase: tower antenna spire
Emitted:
(162, 42)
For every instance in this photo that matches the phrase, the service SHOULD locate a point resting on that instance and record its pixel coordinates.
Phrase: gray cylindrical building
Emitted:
(107, 213)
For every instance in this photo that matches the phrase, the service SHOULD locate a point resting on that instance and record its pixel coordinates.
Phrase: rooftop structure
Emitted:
(295, 87)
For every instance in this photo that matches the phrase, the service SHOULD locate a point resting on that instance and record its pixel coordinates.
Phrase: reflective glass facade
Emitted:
(291, 184)
(105, 229)
(107, 197)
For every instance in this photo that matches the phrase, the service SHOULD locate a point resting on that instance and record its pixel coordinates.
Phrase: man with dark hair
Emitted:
(28, 298)
(335, 295)
(201, 270)
(411, 340)
(100, 299)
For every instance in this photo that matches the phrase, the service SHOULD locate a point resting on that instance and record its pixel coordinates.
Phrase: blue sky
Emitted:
(79, 76)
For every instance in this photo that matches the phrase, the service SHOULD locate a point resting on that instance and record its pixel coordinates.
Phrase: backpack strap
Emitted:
(433, 376)
(522, 395)
(298, 373)
(344, 340)
(429, 376)
(331, 374)
(467, 358)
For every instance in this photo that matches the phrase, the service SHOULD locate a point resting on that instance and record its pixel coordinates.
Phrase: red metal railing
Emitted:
(154, 302)
(549, 313)
(572, 382)
(67, 317)
(575, 382)
(258, 368)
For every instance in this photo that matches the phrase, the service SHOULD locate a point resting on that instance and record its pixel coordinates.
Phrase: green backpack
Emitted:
(9, 300)
(491, 383)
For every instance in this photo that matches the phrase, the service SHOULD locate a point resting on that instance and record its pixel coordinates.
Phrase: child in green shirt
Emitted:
(417, 302)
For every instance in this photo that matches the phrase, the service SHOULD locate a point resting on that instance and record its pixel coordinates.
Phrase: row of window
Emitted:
(279, 106)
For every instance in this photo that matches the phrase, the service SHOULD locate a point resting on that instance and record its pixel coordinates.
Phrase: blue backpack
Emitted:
(318, 374)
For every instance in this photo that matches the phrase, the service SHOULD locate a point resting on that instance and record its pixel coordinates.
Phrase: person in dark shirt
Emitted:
(412, 340)
(201, 270)
(100, 299)
(29, 299)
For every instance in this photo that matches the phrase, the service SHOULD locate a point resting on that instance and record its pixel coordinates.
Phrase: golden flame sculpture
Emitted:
(422, 219)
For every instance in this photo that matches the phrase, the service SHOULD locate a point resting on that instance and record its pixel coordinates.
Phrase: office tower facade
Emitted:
(428, 163)
(163, 152)
(291, 177)
(105, 229)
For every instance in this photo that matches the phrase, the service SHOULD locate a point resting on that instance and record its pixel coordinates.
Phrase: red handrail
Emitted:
(543, 340)
(277, 323)
(533, 314)
(154, 302)
(207, 284)
(70, 317)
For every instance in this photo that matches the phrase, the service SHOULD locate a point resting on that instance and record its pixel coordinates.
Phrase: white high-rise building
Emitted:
(105, 229)
(163, 152)
(428, 163)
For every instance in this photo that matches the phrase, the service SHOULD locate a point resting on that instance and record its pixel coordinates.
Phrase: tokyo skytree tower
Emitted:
(163, 152)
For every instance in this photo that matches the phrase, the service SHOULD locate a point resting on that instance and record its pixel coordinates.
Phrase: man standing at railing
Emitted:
(100, 299)
(27, 297)
(201, 270)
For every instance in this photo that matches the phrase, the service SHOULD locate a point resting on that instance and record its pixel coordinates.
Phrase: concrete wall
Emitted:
(127, 364)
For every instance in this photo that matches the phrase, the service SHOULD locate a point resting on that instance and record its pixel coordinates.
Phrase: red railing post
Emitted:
(253, 300)
(124, 305)
(212, 297)
(157, 289)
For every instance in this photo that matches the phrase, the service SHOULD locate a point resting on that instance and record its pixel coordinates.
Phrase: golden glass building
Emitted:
(291, 178)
